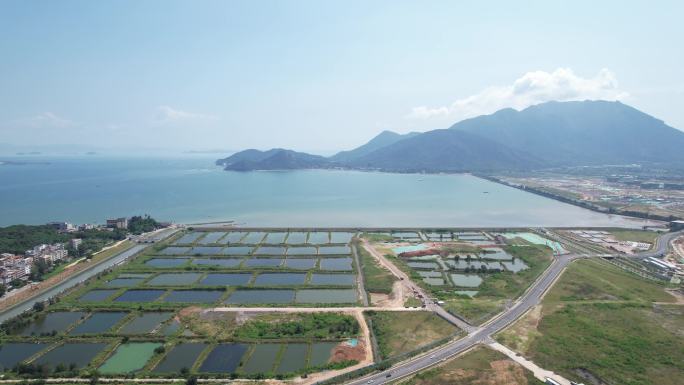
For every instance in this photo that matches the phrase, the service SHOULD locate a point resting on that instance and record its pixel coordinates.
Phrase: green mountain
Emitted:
(546, 135)
(383, 139)
(275, 159)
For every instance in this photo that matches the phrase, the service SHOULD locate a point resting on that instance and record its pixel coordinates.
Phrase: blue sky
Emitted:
(317, 76)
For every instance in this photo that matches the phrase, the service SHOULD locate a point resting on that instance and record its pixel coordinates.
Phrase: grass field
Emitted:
(402, 332)
(635, 235)
(601, 321)
(377, 278)
(480, 366)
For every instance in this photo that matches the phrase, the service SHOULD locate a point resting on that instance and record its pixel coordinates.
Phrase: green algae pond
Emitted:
(129, 358)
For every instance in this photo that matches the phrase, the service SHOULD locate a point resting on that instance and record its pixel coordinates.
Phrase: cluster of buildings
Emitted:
(606, 239)
(18, 267)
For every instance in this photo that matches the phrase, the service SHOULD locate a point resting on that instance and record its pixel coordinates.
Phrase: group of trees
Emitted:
(142, 224)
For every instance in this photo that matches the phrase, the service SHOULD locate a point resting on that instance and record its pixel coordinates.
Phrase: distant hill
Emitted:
(275, 159)
(383, 139)
(546, 135)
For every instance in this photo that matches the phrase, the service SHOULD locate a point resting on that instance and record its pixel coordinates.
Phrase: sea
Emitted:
(191, 189)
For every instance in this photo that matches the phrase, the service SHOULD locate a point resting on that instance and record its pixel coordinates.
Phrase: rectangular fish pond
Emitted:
(12, 353)
(224, 358)
(129, 358)
(183, 355)
(98, 323)
(145, 323)
(77, 353)
(48, 323)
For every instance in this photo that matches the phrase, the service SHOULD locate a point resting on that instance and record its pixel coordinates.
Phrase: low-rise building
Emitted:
(48, 253)
(13, 267)
(76, 242)
(62, 227)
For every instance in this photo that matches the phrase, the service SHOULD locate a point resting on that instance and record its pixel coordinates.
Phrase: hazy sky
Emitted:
(318, 75)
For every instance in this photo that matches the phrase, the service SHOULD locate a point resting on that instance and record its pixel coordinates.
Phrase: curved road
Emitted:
(661, 246)
(477, 335)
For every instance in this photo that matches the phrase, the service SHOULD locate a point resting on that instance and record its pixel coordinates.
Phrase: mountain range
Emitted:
(552, 134)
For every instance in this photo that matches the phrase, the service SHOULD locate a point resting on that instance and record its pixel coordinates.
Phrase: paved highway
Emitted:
(477, 335)
(661, 246)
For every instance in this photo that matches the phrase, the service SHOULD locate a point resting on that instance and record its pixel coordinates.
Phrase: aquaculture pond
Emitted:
(515, 265)
(334, 250)
(218, 262)
(293, 359)
(205, 250)
(296, 238)
(275, 238)
(167, 262)
(129, 358)
(301, 263)
(124, 282)
(261, 297)
(262, 359)
(98, 323)
(97, 295)
(321, 352)
(145, 323)
(77, 353)
(233, 237)
(333, 279)
(263, 262)
(57, 321)
(224, 358)
(466, 280)
(212, 237)
(317, 238)
(339, 264)
(253, 238)
(181, 356)
(194, 296)
(237, 250)
(140, 295)
(302, 250)
(275, 279)
(12, 353)
(226, 279)
(341, 237)
(188, 238)
(174, 250)
(326, 296)
(174, 279)
(270, 250)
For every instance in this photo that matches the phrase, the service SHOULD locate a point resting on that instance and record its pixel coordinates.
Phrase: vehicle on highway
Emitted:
(551, 381)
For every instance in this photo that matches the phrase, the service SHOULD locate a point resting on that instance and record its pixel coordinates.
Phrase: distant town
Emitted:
(43, 256)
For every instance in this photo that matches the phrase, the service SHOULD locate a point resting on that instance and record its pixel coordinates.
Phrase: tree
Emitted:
(38, 306)
(3, 290)
(192, 380)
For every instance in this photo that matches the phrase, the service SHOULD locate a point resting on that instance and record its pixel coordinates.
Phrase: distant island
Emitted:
(553, 134)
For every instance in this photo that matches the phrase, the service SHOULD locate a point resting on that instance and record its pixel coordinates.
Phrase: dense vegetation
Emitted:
(19, 238)
(313, 325)
(142, 224)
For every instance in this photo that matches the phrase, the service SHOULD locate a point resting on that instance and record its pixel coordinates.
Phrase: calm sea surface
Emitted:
(90, 189)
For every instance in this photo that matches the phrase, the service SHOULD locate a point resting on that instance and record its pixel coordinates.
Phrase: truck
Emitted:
(551, 381)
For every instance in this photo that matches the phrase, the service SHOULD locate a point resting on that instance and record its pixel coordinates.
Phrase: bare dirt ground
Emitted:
(520, 334)
(394, 299)
(539, 373)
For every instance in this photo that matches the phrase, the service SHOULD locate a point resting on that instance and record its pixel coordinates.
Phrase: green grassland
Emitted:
(604, 321)
(480, 366)
(376, 278)
(402, 332)
(635, 235)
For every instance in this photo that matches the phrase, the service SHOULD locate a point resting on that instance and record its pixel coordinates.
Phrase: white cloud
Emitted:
(166, 114)
(532, 88)
(42, 120)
